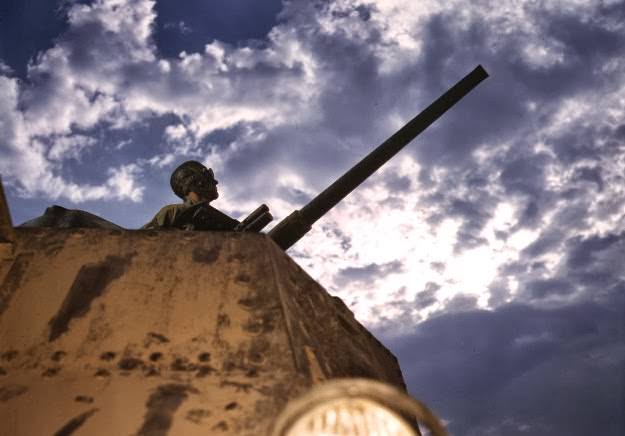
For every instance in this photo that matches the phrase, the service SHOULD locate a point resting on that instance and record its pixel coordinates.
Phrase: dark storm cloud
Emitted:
(286, 115)
(586, 40)
(533, 211)
(525, 175)
(369, 273)
(619, 132)
(501, 113)
(588, 268)
(596, 263)
(584, 252)
(460, 303)
(520, 370)
(474, 208)
(590, 174)
(294, 195)
(499, 292)
(546, 287)
(473, 220)
(548, 242)
(427, 296)
(581, 144)
(396, 183)
(496, 106)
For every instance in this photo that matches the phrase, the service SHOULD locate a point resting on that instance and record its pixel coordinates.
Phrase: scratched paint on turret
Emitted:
(324, 324)
(8, 392)
(203, 255)
(170, 309)
(90, 283)
(12, 281)
(161, 407)
(75, 423)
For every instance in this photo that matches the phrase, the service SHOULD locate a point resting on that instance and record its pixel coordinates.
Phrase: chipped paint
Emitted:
(75, 423)
(8, 392)
(143, 321)
(203, 255)
(13, 280)
(90, 283)
(316, 373)
(161, 406)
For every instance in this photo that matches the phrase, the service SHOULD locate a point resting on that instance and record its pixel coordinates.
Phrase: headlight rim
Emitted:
(387, 396)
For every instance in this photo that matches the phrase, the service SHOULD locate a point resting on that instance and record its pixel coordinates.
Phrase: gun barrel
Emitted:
(259, 223)
(345, 184)
(258, 212)
(294, 227)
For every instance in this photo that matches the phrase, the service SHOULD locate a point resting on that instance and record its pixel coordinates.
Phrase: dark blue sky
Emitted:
(237, 22)
(487, 255)
(28, 27)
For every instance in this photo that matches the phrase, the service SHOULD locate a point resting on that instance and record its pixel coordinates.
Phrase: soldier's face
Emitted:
(206, 186)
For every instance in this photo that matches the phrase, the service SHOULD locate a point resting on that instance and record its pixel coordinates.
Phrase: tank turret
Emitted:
(107, 331)
(181, 333)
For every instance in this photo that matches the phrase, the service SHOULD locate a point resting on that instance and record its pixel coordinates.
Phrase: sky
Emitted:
(487, 255)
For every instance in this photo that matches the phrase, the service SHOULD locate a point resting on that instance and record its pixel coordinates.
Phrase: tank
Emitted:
(146, 332)
(108, 331)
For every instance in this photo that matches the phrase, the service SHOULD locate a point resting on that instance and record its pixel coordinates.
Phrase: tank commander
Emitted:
(197, 187)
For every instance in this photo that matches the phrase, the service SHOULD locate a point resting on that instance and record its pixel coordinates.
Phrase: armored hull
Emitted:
(114, 332)
(107, 331)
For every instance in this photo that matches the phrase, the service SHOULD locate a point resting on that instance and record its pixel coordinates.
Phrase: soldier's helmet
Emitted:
(191, 176)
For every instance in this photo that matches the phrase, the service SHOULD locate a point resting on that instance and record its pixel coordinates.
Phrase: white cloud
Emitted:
(69, 147)
(330, 80)
(161, 161)
(5, 70)
(122, 182)
(181, 26)
(105, 70)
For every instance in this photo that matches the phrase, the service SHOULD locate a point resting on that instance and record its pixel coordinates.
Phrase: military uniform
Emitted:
(201, 217)
(197, 186)
(167, 215)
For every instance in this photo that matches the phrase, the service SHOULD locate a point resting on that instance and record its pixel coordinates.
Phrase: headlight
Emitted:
(350, 416)
(355, 407)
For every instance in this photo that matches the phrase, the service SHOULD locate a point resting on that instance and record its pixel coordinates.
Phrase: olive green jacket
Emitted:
(167, 216)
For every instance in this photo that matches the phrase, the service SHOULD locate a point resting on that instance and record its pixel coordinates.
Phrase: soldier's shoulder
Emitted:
(166, 216)
(169, 212)
(169, 208)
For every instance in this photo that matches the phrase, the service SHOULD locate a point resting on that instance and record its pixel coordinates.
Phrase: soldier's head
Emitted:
(193, 181)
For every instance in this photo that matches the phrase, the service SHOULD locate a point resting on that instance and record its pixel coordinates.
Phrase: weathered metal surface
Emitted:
(62, 218)
(7, 236)
(6, 227)
(166, 333)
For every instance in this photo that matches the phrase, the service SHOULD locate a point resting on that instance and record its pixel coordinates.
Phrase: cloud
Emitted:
(104, 71)
(5, 70)
(488, 252)
(123, 184)
(519, 369)
(487, 203)
(427, 297)
(368, 274)
(25, 164)
(69, 147)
